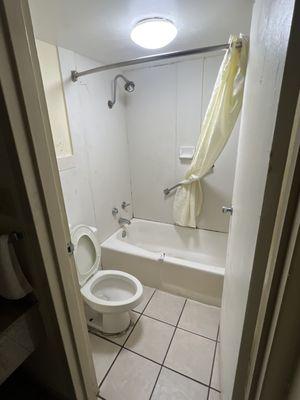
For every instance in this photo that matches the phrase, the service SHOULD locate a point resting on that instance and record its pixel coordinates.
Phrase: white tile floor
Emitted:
(171, 352)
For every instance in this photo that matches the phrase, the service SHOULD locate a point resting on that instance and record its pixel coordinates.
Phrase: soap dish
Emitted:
(186, 152)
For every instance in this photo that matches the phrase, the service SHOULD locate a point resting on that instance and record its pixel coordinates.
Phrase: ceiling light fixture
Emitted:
(153, 33)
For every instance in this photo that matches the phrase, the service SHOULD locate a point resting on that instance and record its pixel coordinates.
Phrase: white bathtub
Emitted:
(178, 260)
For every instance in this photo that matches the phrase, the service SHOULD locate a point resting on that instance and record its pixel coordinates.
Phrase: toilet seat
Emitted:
(112, 291)
(86, 252)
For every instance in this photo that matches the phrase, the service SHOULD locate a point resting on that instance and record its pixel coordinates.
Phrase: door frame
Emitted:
(25, 102)
(275, 228)
(275, 345)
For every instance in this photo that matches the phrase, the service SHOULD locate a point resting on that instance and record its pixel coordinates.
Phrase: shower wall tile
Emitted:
(164, 113)
(188, 109)
(76, 184)
(100, 179)
(131, 152)
(151, 128)
(107, 149)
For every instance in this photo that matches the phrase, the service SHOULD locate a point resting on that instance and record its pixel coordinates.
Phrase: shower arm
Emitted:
(113, 101)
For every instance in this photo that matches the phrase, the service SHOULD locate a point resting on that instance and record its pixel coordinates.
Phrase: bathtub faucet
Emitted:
(123, 221)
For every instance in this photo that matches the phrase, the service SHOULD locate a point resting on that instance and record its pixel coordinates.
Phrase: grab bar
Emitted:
(169, 190)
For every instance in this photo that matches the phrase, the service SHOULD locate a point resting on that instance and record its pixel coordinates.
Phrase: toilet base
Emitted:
(104, 326)
(115, 323)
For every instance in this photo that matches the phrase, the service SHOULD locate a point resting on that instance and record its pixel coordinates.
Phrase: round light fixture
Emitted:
(153, 33)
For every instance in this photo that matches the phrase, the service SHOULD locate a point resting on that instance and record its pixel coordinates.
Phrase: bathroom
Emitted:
(118, 162)
(163, 317)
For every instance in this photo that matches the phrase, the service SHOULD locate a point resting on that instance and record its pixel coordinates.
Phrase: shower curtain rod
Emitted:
(164, 56)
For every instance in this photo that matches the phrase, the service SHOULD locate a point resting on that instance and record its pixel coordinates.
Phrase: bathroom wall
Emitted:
(164, 113)
(99, 178)
(50, 70)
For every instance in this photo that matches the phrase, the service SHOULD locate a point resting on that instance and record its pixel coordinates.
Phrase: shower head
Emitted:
(129, 87)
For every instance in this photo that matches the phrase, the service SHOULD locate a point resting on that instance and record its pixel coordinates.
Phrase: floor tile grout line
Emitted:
(214, 389)
(213, 364)
(157, 363)
(142, 312)
(155, 383)
(186, 376)
(169, 368)
(121, 347)
(214, 359)
(197, 334)
(107, 372)
(218, 334)
(156, 380)
(160, 320)
(138, 319)
(174, 332)
(179, 327)
(146, 358)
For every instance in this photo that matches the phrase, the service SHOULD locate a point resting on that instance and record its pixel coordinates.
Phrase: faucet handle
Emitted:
(114, 211)
(124, 205)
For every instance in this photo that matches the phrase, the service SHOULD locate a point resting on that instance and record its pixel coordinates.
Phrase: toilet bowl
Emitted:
(111, 293)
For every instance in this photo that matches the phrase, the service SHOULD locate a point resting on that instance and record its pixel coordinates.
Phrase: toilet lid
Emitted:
(86, 251)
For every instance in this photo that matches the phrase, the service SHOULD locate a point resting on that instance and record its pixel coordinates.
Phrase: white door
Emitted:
(269, 36)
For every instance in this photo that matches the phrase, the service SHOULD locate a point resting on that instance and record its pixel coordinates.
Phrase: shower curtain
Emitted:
(218, 123)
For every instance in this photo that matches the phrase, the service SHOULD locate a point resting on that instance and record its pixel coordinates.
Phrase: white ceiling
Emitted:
(100, 29)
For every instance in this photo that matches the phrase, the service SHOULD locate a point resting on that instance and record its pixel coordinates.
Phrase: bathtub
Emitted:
(183, 261)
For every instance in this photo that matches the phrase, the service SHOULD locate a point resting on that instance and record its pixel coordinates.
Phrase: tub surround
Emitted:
(164, 113)
(99, 179)
(114, 162)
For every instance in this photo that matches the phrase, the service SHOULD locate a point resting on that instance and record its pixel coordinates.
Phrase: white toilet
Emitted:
(110, 293)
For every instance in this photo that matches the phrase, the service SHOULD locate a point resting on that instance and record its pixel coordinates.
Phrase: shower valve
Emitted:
(114, 211)
(124, 205)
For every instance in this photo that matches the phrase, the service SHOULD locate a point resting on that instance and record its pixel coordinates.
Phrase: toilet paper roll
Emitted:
(13, 284)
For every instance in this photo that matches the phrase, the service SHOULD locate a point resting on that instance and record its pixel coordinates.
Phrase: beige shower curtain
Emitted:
(219, 120)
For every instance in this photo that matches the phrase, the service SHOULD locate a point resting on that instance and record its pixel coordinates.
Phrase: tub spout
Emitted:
(123, 221)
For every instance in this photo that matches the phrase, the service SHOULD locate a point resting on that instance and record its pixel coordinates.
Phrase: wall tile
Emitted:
(100, 179)
(164, 113)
